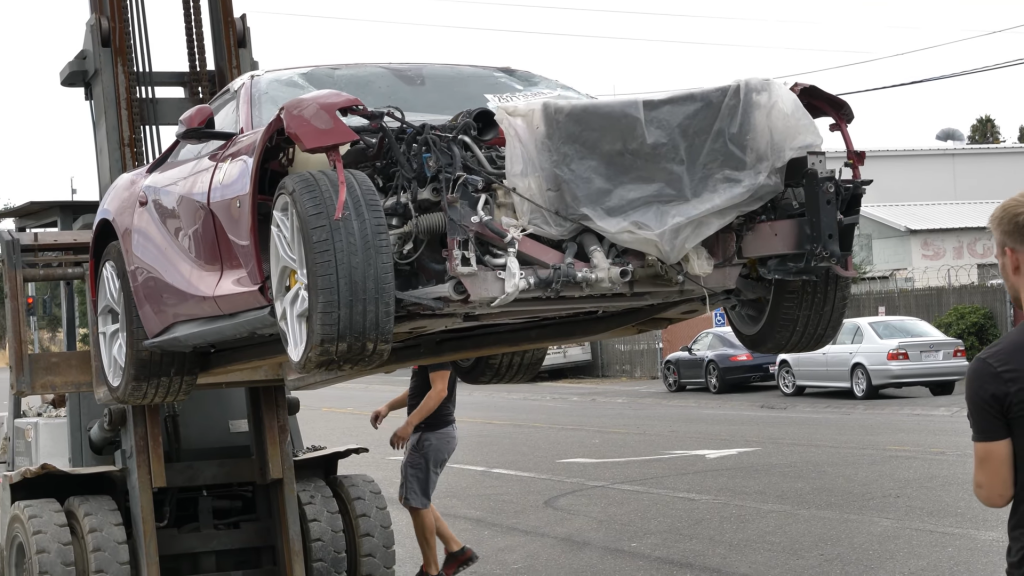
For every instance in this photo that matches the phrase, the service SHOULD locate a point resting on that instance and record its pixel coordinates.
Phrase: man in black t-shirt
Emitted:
(429, 438)
(995, 392)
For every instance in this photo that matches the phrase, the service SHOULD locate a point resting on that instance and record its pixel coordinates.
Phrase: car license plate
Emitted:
(931, 356)
(771, 368)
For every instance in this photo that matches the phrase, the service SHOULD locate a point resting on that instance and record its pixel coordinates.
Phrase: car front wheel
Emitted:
(670, 378)
(787, 382)
(860, 382)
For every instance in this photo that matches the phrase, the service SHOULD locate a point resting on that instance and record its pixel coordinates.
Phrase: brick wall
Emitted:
(683, 333)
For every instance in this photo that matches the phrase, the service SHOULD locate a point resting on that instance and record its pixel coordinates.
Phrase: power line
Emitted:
(900, 54)
(824, 69)
(989, 68)
(662, 14)
(563, 34)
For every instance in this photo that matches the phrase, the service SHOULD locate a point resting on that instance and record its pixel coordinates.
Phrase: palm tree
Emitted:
(984, 131)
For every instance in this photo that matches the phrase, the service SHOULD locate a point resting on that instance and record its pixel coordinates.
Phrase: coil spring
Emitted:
(430, 224)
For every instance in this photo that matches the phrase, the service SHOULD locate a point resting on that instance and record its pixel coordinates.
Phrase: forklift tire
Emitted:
(371, 542)
(323, 532)
(798, 316)
(345, 268)
(38, 541)
(508, 368)
(98, 536)
(147, 377)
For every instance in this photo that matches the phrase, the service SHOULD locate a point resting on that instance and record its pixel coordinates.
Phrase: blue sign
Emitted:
(719, 318)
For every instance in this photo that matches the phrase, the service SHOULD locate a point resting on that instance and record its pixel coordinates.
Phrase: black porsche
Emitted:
(717, 360)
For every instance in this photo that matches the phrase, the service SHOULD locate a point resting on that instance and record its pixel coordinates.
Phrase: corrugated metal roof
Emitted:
(932, 215)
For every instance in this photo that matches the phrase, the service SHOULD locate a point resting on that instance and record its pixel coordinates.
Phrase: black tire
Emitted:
(38, 541)
(507, 368)
(869, 391)
(670, 378)
(149, 377)
(323, 530)
(713, 379)
(350, 271)
(97, 536)
(944, 389)
(784, 370)
(371, 542)
(800, 316)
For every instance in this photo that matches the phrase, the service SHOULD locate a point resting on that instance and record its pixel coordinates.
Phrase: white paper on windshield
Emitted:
(520, 97)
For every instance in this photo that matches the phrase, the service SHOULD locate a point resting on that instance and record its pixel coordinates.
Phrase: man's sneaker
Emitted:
(423, 572)
(455, 562)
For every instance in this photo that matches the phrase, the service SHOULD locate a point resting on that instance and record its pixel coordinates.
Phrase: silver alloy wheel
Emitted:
(17, 557)
(109, 304)
(787, 380)
(670, 376)
(288, 277)
(712, 377)
(465, 362)
(860, 382)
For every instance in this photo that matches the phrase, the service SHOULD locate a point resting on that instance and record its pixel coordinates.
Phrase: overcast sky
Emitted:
(674, 44)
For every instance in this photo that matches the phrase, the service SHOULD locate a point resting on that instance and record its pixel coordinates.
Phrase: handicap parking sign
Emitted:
(719, 318)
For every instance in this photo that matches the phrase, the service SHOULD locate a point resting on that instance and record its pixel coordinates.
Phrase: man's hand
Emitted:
(401, 437)
(378, 416)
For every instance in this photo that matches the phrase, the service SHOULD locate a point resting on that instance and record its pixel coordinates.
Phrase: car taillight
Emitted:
(959, 352)
(741, 358)
(897, 354)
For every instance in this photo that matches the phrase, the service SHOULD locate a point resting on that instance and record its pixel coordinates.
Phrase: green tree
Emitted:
(984, 131)
(1020, 134)
(975, 325)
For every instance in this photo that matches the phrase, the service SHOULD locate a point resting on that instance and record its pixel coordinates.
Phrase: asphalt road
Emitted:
(819, 484)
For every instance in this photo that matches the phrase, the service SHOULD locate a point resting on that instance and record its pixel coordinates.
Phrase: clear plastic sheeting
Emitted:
(657, 175)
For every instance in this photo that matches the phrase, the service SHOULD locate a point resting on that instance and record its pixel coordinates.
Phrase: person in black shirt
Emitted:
(995, 392)
(429, 438)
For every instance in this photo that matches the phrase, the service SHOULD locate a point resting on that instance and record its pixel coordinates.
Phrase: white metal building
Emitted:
(947, 173)
(928, 242)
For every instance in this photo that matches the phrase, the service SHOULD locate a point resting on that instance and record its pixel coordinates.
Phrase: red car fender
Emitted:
(313, 122)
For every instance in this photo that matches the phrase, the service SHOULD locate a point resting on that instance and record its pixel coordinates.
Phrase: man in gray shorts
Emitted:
(429, 438)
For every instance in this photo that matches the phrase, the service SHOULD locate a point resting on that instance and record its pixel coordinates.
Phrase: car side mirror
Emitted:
(196, 126)
(685, 349)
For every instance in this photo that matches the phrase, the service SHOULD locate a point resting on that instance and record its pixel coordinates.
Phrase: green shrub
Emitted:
(975, 325)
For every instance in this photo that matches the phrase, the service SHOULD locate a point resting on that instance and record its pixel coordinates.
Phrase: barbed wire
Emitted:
(943, 276)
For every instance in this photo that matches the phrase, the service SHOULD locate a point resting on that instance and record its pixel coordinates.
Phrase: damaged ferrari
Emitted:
(355, 219)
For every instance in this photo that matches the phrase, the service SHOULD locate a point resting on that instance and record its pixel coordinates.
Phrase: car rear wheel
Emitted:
(944, 389)
(333, 281)
(507, 368)
(713, 378)
(790, 316)
(787, 382)
(860, 382)
(670, 378)
(133, 374)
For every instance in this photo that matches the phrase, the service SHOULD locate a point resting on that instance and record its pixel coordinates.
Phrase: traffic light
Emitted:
(47, 306)
(30, 306)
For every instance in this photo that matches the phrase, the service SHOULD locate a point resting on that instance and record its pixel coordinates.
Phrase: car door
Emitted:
(691, 366)
(177, 259)
(812, 367)
(840, 354)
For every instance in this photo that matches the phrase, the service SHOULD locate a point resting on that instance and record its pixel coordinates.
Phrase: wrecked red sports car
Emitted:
(354, 219)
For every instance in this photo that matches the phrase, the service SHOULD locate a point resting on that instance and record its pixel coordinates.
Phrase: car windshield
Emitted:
(418, 89)
(896, 329)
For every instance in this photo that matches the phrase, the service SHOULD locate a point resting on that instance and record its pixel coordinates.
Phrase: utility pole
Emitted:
(73, 191)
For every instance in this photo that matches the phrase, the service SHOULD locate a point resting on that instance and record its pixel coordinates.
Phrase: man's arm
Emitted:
(993, 472)
(396, 403)
(987, 397)
(433, 399)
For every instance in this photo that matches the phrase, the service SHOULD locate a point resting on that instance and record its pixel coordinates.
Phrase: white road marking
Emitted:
(874, 521)
(672, 454)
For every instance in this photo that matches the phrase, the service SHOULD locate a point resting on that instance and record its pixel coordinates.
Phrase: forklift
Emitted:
(219, 484)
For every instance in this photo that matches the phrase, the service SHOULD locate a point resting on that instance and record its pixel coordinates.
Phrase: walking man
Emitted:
(429, 438)
(995, 392)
